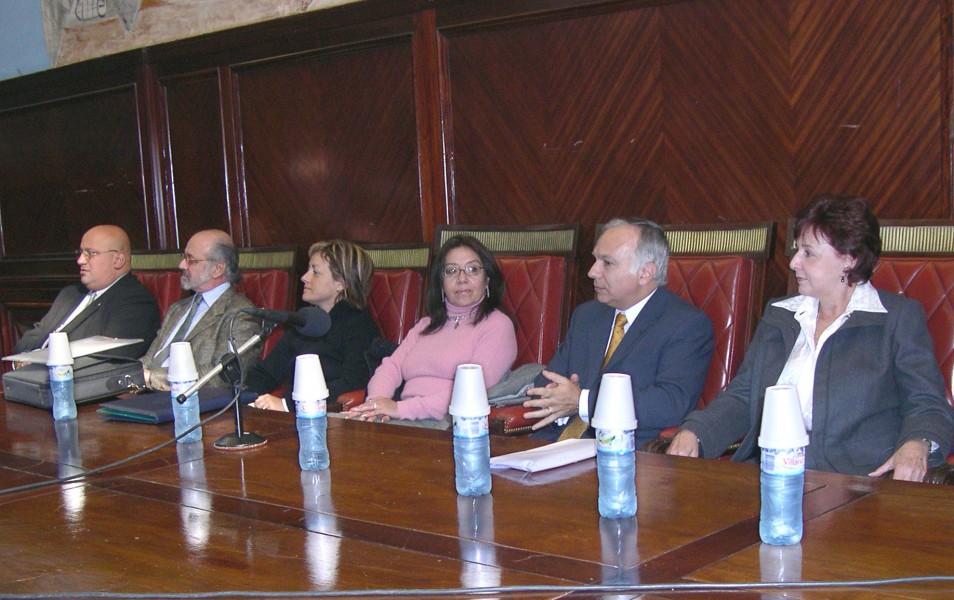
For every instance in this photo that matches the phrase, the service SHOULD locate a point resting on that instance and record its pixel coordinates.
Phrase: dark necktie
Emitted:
(181, 332)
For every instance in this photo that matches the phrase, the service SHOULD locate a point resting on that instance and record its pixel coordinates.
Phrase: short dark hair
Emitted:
(849, 226)
(436, 309)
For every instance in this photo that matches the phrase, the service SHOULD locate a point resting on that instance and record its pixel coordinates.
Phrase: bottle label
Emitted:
(784, 461)
(615, 441)
(61, 372)
(471, 427)
(312, 409)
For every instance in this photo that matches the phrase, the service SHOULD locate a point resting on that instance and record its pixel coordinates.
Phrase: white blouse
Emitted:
(799, 370)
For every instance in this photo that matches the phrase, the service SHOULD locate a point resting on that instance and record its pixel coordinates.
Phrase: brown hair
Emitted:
(351, 266)
(849, 226)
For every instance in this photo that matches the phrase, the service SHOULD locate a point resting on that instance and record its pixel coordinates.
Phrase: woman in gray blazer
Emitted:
(871, 393)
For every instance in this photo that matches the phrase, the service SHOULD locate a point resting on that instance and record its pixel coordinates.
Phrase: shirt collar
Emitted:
(95, 295)
(633, 311)
(865, 298)
(210, 296)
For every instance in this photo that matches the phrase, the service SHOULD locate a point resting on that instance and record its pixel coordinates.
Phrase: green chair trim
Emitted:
(898, 237)
(749, 239)
(917, 239)
(267, 259)
(160, 261)
(550, 240)
(399, 258)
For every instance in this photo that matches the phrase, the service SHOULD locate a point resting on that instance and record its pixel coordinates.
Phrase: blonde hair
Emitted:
(351, 266)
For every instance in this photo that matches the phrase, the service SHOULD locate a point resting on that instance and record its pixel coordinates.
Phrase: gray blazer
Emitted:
(877, 385)
(209, 337)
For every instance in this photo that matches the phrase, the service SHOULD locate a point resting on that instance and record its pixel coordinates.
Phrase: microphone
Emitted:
(310, 321)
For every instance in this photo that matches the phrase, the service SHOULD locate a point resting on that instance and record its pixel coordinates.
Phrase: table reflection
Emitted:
(323, 539)
(781, 563)
(475, 528)
(70, 462)
(620, 553)
(195, 506)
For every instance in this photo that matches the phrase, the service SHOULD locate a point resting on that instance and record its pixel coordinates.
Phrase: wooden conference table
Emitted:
(386, 515)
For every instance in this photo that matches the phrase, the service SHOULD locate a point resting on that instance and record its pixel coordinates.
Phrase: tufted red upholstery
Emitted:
(164, 285)
(723, 287)
(534, 299)
(269, 288)
(395, 301)
(930, 281)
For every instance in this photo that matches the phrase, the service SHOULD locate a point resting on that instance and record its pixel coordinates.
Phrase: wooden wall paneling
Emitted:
(330, 146)
(546, 128)
(434, 133)
(152, 125)
(233, 157)
(197, 196)
(68, 165)
(869, 99)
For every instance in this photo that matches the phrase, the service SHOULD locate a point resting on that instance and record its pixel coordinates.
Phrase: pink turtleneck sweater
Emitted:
(427, 363)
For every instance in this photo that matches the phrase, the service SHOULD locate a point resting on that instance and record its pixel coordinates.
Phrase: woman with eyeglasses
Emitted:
(464, 324)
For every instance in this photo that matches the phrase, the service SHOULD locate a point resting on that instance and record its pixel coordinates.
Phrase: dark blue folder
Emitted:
(156, 407)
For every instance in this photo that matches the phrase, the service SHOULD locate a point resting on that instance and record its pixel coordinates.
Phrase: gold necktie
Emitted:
(575, 428)
(619, 330)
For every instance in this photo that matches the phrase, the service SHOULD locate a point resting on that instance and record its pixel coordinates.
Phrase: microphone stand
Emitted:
(232, 366)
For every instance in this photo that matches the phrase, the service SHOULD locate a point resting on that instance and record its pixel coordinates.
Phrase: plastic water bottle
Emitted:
(61, 387)
(616, 470)
(782, 480)
(472, 455)
(186, 414)
(312, 424)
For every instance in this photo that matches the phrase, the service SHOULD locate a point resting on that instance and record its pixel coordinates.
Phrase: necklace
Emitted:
(458, 319)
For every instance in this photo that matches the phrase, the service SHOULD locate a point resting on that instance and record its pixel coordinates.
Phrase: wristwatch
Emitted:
(932, 445)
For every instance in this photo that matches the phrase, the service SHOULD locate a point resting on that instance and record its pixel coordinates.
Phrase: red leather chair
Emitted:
(539, 268)
(270, 280)
(721, 270)
(397, 287)
(396, 300)
(159, 272)
(917, 260)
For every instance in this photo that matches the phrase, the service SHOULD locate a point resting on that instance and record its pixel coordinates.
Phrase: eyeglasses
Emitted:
(89, 254)
(454, 270)
(191, 260)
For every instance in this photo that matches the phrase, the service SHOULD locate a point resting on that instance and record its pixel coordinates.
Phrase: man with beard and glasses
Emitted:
(210, 269)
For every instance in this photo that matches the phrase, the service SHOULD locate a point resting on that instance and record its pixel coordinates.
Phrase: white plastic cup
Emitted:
(782, 423)
(469, 398)
(309, 383)
(614, 406)
(58, 350)
(181, 363)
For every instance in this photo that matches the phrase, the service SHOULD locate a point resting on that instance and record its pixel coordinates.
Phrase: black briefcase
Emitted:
(93, 379)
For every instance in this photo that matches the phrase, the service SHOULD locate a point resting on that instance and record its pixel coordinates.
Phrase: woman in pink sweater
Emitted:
(464, 325)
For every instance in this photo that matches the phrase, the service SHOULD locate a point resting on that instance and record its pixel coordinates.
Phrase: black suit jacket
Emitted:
(126, 310)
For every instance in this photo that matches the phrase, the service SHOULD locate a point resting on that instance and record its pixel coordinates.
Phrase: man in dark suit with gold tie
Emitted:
(108, 300)
(209, 268)
(635, 326)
